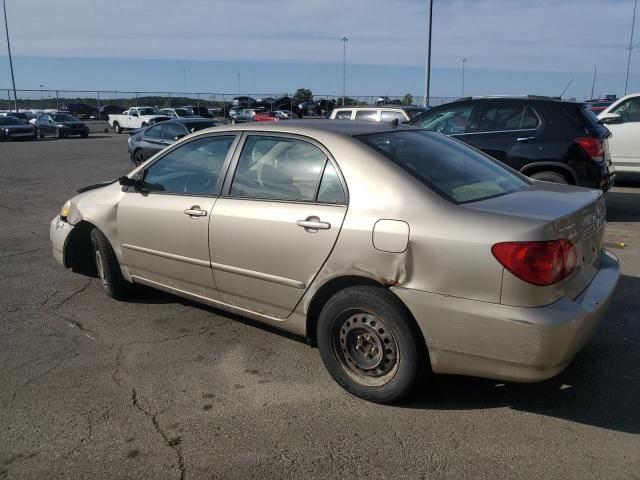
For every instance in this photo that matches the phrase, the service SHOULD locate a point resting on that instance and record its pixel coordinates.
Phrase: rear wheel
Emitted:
(116, 127)
(144, 124)
(39, 133)
(108, 268)
(59, 134)
(554, 177)
(369, 344)
(84, 135)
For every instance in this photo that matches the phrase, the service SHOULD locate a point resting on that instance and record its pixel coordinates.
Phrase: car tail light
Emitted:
(592, 147)
(538, 263)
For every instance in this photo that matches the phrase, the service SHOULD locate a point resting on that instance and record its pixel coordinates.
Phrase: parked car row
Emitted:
(56, 124)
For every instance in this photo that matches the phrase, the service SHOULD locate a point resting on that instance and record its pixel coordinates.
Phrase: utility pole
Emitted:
(13, 80)
(238, 83)
(344, 68)
(464, 61)
(427, 70)
(633, 24)
(593, 85)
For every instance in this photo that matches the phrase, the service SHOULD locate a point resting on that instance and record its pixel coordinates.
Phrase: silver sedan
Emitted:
(398, 252)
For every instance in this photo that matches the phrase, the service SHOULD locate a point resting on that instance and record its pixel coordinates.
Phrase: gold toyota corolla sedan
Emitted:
(398, 252)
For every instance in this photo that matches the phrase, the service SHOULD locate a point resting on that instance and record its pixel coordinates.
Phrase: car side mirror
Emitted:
(130, 182)
(611, 118)
(134, 114)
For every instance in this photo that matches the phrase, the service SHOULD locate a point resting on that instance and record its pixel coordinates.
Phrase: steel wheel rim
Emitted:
(366, 348)
(100, 268)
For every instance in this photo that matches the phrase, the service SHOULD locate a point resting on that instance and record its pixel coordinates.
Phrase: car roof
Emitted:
(388, 107)
(310, 127)
(498, 98)
(190, 120)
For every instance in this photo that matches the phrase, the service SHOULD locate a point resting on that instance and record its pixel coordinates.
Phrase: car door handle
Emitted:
(313, 223)
(195, 211)
(525, 139)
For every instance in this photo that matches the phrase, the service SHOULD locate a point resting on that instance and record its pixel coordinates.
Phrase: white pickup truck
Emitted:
(135, 117)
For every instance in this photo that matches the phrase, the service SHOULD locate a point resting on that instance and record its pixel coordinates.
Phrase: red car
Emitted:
(265, 117)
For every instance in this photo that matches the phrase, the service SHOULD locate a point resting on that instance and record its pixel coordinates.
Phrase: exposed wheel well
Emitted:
(565, 172)
(331, 288)
(79, 250)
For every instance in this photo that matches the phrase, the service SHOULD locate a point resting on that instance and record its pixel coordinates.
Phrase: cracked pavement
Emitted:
(160, 387)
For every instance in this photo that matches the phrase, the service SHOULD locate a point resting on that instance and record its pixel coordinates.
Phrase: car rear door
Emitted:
(276, 223)
(164, 228)
(508, 131)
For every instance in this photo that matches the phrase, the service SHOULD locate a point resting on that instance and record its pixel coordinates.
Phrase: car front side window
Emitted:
(450, 121)
(278, 168)
(629, 111)
(193, 168)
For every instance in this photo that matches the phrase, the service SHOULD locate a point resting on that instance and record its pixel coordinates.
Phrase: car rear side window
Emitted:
(192, 168)
(343, 115)
(154, 132)
(331, 190)
(387, 116)
(278, 168)
(371, 115)
(173, 131)
(450, 168)
(497, 118)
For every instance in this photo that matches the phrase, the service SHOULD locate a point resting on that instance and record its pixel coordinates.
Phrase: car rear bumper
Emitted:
(468, 337)
(59, 231)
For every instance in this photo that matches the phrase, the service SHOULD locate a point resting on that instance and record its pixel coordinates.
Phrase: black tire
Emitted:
(370, 345)
(139, 157)
(84, 135)
(58, 134)
(233, 121)
(108, 268)
(116, 127)
(550, 177)
(39, 134)
(144, 124)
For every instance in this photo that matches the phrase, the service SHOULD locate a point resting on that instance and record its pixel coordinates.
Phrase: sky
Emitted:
(276, 46)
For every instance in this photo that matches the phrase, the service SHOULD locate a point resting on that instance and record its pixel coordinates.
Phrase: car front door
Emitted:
(509, 132)
(163, 228)
(276, 223)
(624, 144)
(132, 119)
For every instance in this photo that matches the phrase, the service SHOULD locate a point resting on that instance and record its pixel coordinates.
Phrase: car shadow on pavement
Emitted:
(623, 207)
(601, 387)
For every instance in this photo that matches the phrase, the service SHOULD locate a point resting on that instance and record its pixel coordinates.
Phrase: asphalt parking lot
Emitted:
(159, 387)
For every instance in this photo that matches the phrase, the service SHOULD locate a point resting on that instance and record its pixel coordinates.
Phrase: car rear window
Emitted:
(450, 168)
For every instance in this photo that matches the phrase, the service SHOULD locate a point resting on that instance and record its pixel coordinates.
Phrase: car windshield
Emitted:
(450, 168)
(182, 112)
(147, 111)
(10, 121)
(64, 117)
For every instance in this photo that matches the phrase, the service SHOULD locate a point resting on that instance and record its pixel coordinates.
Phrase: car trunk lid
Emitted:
(576, 214)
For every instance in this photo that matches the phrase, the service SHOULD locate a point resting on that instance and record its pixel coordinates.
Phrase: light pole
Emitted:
(464, 61)
(344, 68)
(633, 24)
(427, 69)
(41, 94)
(13, 80)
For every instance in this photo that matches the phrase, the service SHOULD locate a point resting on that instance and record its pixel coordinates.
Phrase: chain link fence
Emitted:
(90, 104)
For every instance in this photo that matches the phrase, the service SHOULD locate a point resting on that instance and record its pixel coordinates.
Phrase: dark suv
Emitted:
(544, 138)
